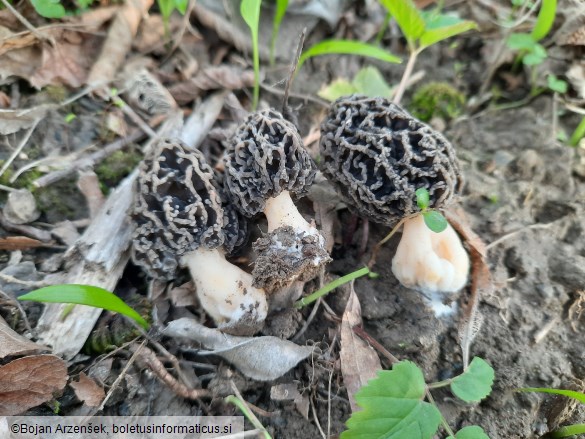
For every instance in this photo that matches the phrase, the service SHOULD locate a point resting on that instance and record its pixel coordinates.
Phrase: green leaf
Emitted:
(556, 84)
(393, 407)
(435, 221)
(181, 6)
(250, 11)
(471, 432)
(545, 19)
(281, 7)
(407, 16)
(422, 198)
(347, 47)
(568, 431)
(49, 8)
(519, 41)
(370, 82)
(432, 36)
(535, 57)
(579, 396)
(166, 9)
(84, 295)
(338, 88)
(475, 383)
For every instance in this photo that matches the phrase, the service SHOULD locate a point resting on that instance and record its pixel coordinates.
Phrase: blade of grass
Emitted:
(84, 295)
(545, 19)
(578, 134)
(579, 396)
(347, 47)
(281, 7)
(250, 10)
(568, 431)
(332, 285)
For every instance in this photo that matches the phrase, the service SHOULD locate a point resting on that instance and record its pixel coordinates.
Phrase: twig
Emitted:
(514, 233)
(28, 283)
(241, 403)
(26, 23)
(371, 340)
(293, 69)
(329, 404)
(89, 160)
(120, 377)
(302, 96)
(148, 357)
(308, 321)
(7, 188)
(30, 231)
(314, 411)
(18, 306)
(21, 145)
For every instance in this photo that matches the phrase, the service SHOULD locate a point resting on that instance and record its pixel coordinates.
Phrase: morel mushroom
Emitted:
(181, 222)
(264, 164)
(377, 155)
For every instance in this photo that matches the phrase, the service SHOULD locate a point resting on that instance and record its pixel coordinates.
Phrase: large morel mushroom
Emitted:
(181, 222)
(377, 155)
(264, 164)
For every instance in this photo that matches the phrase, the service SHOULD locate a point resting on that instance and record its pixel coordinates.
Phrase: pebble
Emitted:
(21, 207)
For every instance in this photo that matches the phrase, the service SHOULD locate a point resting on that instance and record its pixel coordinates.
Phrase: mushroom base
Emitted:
(433, 263)
(226, 292)
(286, 255)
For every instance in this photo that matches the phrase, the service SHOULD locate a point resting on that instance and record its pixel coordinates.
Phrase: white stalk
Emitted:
(281, 211)
(224, 290)
(430, 262)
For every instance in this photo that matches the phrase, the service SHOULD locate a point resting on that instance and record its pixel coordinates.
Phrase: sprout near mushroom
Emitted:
(378, 155)
(266, 163)
(181, 222)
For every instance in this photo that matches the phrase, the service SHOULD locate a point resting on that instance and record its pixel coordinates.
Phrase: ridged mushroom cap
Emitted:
(178, 208)
(377, 155)
(266, 157)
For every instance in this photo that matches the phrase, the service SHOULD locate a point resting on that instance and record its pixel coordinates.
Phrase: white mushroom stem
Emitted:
(281, 211)
(430, 262)
(224, 290)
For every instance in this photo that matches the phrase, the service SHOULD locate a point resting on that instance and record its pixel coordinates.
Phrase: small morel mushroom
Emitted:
(377, 155)
(181, 222)
(264, 164)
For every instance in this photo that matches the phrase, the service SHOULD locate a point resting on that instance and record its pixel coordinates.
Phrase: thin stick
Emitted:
(27, 24)
(379, 245)
(241, 403)
(308, 321)
(293, 69)
(21, 145)
(376, 345)
(516, 232)
(121, 376)
(314, 411)
(329, 405)
(17, 304)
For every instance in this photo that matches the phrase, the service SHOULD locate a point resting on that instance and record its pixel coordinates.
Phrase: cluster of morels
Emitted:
(376, 155)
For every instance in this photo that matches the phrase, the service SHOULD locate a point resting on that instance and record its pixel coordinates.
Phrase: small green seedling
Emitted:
(394, 407)
(70, 117)
(367, 82)
(281, 7)
(242, 406)
(569, 430)
(250, 11)
(85, 295)
(578, 134)
(334, 284)
(167, 7)
(433, 218)
(422, 29)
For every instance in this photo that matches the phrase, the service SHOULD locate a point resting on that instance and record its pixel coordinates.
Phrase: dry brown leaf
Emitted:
(211, 78)
(88, 391)
(359, 362)
(12, 343)
(4, 100)
(89, 185)
(12, 243)
(30, 381)
(119, 41)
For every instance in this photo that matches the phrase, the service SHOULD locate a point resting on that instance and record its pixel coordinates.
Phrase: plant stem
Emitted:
(568, 431)
(383, 28)
(443, 420)
(332, 285)
(440, 384)
(241, 404)
(578, 134)
(407, 73)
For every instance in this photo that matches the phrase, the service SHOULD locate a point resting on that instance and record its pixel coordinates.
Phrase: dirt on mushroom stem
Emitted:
(265, 163)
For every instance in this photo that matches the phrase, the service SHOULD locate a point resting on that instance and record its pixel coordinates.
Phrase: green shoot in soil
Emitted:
(578, 134)
(241, 405)
(250, 11)
(84, 295)
(281, 7)
(422, 30)
(394, 405)
(334, 284)
(569, 430)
